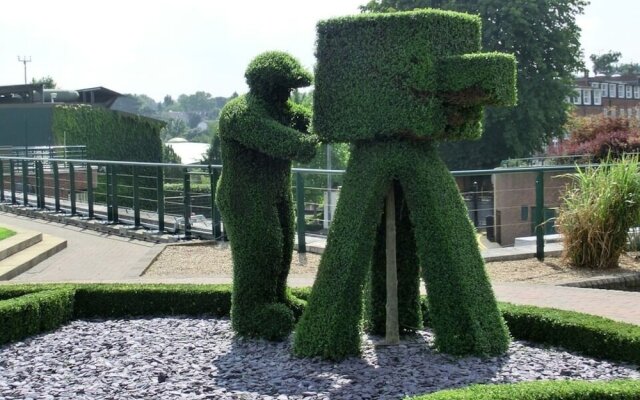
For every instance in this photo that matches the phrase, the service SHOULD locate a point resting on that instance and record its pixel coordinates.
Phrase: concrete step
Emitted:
(31, 256)
(18, 242)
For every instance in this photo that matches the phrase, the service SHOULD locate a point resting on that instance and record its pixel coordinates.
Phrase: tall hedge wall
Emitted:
(108, 135)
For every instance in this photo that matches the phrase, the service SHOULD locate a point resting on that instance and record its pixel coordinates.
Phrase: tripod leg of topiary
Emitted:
(462, 307)
(330, 326)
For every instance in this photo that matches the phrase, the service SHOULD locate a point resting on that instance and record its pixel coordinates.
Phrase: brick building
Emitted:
(608, 95)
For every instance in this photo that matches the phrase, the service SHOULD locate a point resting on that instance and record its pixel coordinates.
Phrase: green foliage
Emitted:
(542, 390)
(260, 133)
(424, 87)
(125, 300)
(47, 81)
(544, 37)
(464, 316)
(34, 312)
(108, 135)
(598, 211)
(425, 81)
(605, 63)
(169, 156)
(588, 334)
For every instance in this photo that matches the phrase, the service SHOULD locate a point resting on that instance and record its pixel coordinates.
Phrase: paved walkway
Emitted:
(96, 257)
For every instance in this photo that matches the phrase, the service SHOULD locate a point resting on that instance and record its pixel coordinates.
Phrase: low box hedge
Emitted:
(34, 312)
(542, 390)
(29, 309)
(20, 304)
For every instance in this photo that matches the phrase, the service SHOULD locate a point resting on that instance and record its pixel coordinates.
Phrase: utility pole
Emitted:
(24, 60)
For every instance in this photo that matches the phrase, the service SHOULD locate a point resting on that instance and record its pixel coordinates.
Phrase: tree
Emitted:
(605, 63)
(628, 69)
(47, 81)
(544, 37)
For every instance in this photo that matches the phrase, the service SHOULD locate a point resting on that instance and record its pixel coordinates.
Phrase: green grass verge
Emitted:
(26, 310)
(542, 390)
(5, 233)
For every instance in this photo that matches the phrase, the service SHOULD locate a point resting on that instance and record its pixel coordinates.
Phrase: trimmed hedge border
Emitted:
(542, 390)
(26, 310)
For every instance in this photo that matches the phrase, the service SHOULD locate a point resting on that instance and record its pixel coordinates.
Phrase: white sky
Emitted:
(172, 47)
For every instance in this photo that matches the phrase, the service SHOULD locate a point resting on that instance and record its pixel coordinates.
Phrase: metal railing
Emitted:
(180, 199)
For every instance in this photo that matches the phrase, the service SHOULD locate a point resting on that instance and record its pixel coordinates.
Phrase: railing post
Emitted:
(36, 170)
(474, 201)
(12, 172)
(540, 216)
(160, 195)
(302, 246)
(25, 182)
(1, 180)
(186, 189)
(109, 195)
(90, 190)
(136, 198)
(42, 186)
(114, 193)
(72, 188)
(56, 185)
(215, 213)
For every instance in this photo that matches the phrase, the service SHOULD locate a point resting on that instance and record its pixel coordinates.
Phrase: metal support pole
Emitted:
(40, 184)
(392, 325)
(109, 195)
(215, 213)
(475, 206)
(25, 182)
(540, 216)
(160, 195)
(136, 198)
(114, 193)
(72, 188)
(90, 199)
(186, 189)
(56, 185)
(302, 245)
(12, 172)
(1, 180)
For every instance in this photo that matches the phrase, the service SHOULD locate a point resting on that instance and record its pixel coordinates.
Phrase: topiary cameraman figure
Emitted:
(260, 133)
(394, 85)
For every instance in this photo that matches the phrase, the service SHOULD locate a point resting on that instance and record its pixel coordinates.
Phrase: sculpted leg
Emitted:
(462, 307)
(330, 325)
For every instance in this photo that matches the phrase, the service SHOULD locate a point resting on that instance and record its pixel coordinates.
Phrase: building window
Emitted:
(612, 89)
(586, 96)
(630, 112)
(636, 92)
(577, 98)
(605, 89)
(629, 92)
(621, 91)
(623, 112)
(597, 97)
(605, 112)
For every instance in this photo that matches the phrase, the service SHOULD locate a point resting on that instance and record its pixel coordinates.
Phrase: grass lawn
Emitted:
(5, 233)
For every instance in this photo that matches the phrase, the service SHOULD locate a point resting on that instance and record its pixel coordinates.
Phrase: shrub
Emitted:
(542, 390)
(393, 96)
(34, 312)
(598, 211)
(260, 133)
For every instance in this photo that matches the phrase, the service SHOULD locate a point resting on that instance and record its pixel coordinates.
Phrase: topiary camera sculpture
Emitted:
(260, 133)
(394, 85)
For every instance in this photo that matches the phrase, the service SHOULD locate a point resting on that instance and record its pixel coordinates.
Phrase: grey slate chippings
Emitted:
(200, 358)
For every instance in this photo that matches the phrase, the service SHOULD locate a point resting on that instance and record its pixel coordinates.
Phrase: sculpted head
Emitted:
(274, 74)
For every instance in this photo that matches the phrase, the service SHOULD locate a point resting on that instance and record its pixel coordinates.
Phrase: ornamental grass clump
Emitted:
(599, 209)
